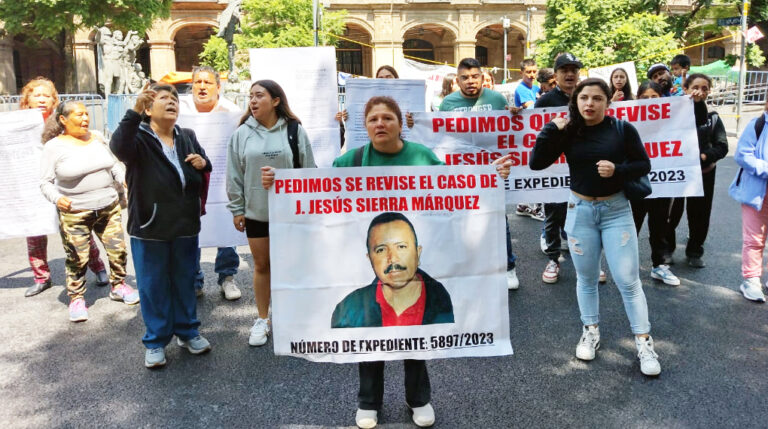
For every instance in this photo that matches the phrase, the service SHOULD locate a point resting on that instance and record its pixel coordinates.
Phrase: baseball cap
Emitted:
(567, 59)
(656, 67)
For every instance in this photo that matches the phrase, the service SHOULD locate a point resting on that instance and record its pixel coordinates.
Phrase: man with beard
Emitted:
(659, 73)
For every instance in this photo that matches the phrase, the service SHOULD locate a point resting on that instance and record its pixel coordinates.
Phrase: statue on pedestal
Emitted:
(116, 59)
(229, 23)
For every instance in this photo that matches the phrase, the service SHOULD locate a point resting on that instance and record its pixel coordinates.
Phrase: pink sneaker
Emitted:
(124, 293)
(77, 310)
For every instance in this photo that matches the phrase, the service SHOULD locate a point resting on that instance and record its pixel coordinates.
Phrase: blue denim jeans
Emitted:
(226, 264)
(511, 258)
(593, 226)
(165, 279)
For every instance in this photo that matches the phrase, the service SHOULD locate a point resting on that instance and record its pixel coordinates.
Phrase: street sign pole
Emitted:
(743, 65)
(314, 19)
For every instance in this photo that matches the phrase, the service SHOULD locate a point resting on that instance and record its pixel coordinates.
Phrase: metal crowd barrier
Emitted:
(725, 89)
(93, 102)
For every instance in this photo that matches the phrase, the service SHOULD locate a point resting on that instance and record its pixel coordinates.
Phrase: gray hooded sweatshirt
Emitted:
(251, 147)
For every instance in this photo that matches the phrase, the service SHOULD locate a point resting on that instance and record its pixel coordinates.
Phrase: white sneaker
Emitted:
(752, 289)
(649, 360)
(603, 277)
(662, 273)
(512, 281)
(424, 416)
(589, 343)
(259, 333)
(551, 272)
(229, 289)
(366, 419)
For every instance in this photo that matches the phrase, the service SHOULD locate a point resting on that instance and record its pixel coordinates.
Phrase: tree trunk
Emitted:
(68, 53)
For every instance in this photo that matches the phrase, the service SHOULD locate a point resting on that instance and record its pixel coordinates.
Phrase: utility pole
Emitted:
(743, 65)
(505, 28)
(314, 19)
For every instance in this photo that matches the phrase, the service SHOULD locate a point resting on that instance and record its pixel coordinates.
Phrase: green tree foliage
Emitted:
(603, 32)
(215, 54)
(58, 20)
(277, 24)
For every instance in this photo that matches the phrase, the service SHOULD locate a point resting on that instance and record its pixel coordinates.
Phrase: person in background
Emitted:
(164, 170)
(40, 93)
(680, 65)
(603, 153)
(748, 188)
(526, 94)
(713, 146)
(449, 86)
(488, 80)
(78, 175)
(620, 86)
(473, 97)
(659, 73)
(383, 72)
(657, 210)
(262, 142)
(206, 98)
(546, 79)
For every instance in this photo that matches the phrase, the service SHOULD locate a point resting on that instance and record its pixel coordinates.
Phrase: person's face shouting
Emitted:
(393, 253)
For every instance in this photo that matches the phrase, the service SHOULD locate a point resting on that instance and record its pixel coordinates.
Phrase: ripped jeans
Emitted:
(591, 227)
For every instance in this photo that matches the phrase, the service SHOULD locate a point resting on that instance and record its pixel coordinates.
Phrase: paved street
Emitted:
(713, 347)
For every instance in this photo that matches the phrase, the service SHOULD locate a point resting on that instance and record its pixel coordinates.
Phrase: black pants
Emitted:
(658, 210)
(417, 389)
(698, 211)
(554, 222)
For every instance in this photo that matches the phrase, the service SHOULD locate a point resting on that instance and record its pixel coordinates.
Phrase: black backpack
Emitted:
(293, 141)
(759, 124)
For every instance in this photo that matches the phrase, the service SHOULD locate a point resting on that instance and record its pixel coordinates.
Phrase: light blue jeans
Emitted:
(591, 227)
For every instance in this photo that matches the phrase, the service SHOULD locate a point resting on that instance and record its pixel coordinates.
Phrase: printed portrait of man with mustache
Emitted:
(401, 294)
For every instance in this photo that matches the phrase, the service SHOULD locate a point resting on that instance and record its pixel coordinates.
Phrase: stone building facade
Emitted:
(378, 32)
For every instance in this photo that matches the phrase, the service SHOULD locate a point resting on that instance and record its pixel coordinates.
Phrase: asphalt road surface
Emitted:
(712, 343)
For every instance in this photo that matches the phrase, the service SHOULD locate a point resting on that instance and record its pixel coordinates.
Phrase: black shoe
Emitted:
(37, 288)
(696, 262)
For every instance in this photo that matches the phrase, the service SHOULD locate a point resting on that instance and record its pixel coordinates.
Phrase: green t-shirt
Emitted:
(410, 154)
(488, 100)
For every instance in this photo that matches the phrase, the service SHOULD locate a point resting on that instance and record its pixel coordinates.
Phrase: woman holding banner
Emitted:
(713, 146)
(657, 210)
(40, 93)
(78, 175)
(603, 154)
(164, 169)
(269, 135)
(384, 123)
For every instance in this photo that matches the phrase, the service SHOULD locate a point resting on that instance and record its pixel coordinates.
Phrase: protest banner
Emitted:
(666, 126)
(213, 131)
(24, 212)
(308, 77)
(450, 262)
(408, 93)
(604, 73)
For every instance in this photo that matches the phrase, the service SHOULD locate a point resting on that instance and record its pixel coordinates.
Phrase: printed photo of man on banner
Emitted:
(394, 263)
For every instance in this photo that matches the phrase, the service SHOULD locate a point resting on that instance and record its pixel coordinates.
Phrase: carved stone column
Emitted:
(7, 75)
(162, 57)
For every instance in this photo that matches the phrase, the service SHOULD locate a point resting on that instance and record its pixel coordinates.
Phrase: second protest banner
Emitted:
(666, 126)
(383, 263)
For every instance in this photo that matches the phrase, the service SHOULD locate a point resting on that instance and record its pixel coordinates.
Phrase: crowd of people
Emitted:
(164, 171)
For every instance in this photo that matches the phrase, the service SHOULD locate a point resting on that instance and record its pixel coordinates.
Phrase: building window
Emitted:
(349, 57)
(481, 55)
(419, 49)
(716, 52)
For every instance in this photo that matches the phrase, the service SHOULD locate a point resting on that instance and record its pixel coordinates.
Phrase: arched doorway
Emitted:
(489, 49)
(37, 59)
(188, 44)
(430, 43)
(351, 57)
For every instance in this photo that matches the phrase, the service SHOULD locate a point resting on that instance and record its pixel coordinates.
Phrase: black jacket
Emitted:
(553, 98)
(713, 141)
(158, 208)
(359, 309)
